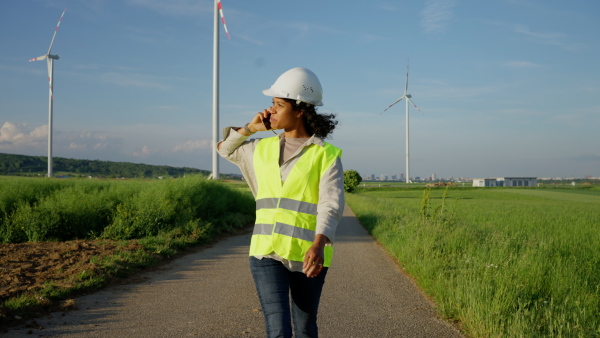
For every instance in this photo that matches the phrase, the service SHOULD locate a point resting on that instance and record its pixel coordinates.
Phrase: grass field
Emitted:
(33, 210)
(503, 262)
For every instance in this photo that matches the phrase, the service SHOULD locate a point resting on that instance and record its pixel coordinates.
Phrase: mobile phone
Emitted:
(267, 122)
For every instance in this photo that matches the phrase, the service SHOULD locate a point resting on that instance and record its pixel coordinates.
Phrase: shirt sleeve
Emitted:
(236, 149)
(229, 147)
(331, 200)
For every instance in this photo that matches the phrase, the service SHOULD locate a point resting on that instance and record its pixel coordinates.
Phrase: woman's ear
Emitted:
(300, 113)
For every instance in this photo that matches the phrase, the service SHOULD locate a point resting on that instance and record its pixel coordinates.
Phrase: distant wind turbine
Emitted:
(407, 97)
(215, 157)
(50, 61)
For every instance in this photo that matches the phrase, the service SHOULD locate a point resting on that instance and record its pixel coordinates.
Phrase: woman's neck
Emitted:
(298, 132)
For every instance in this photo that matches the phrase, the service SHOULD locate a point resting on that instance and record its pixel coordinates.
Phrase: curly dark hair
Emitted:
(321, 125)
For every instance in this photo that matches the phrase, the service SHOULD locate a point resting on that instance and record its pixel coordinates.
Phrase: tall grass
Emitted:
(503, 262)
(46, 210)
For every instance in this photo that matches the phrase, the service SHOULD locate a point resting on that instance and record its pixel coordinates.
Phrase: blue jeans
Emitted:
(274, 284)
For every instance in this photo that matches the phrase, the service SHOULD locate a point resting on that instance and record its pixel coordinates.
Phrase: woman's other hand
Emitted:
(315, 257)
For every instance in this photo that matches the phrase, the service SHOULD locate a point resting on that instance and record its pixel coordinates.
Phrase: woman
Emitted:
(298, 183)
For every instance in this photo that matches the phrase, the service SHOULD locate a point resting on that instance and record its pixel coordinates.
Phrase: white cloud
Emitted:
(144, 152)
(120, 145)
(549, 38)
(193, 145)
(77, 146)
(555, 39)
(87, 140)
(22, 139)
(436, 15)
(19, 136)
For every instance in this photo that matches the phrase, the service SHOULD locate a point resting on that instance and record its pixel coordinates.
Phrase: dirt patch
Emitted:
(27, 266)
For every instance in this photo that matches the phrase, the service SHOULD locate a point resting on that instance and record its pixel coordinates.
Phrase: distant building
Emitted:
(484, 182)
(505, 182)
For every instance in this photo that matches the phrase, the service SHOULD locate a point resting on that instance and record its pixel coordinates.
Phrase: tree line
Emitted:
(23, 165)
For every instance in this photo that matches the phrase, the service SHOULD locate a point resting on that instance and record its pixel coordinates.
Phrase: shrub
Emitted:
(43, 210)
(168, 205)
(351, 180)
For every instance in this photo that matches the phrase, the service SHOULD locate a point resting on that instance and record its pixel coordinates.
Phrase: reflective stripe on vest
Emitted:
(286, 214)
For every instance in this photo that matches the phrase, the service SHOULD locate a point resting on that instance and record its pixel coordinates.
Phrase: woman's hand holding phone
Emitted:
(260, 122)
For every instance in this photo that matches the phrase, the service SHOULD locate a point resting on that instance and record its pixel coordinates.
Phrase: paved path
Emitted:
(210, 293)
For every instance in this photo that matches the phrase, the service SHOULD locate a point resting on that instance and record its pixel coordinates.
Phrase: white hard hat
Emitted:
(299, 84)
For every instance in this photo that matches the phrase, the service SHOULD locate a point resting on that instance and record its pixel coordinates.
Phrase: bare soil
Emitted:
(28, 266)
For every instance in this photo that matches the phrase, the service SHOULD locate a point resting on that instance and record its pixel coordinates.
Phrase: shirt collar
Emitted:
(312, 140)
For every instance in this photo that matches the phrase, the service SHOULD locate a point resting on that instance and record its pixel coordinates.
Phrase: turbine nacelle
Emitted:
(55, 57)
(408, 96)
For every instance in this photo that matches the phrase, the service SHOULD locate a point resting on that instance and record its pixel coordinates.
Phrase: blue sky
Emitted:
(506, 88)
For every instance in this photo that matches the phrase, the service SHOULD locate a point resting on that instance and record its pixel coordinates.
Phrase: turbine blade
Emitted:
(39, 58)
(390, 106)
(409, 100)
(56, 30)
(223, 18)
(406, 87)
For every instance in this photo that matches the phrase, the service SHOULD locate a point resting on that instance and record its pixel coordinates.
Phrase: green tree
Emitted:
(351, 180)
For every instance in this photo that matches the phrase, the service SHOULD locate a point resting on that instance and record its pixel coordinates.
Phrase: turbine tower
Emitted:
(215, 157)
(407, 97)
(50, 61)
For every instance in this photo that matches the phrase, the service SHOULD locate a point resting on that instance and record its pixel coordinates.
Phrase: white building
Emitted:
(505, 182)
(484, 182)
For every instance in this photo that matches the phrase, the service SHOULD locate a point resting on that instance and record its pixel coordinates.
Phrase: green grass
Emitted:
(57, 210)
(503, 262)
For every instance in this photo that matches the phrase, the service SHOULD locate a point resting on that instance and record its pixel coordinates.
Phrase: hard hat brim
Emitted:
(277, 93)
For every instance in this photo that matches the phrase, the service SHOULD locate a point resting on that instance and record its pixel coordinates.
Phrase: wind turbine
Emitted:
(215, 157)
(407, 97)
(50, 61)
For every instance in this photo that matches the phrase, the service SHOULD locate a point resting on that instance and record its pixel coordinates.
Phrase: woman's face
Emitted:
(283, 116)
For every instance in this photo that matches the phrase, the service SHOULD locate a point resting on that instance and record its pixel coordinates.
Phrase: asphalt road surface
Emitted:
(210, 293)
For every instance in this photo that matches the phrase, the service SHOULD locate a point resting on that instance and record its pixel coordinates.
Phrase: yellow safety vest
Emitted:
(286, 214)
